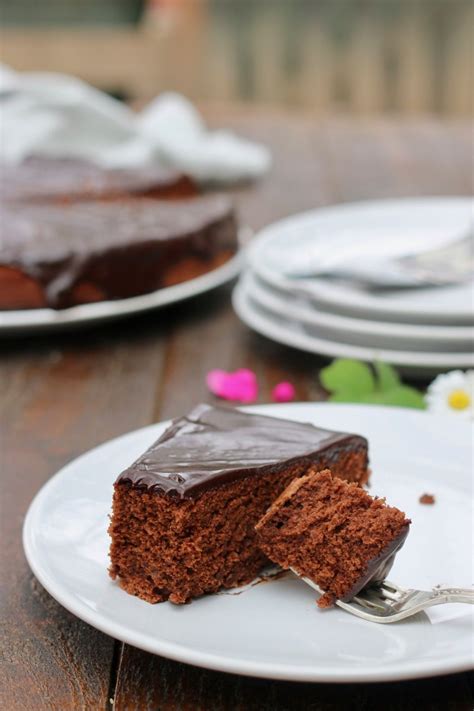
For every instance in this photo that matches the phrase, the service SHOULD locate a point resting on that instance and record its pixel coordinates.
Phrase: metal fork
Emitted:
(450, 264)
(387, 602)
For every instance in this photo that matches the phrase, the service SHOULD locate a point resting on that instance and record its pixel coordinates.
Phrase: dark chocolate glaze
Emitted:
(40, 179)
(215, 445)
(123, 248)
(380, 566)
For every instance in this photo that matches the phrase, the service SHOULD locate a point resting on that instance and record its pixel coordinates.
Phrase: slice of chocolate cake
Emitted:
(63, 255)
(333, 533)
(184, 513)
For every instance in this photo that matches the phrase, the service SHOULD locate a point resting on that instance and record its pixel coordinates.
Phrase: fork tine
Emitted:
(389, 593)
(396, 588)
(377, 594)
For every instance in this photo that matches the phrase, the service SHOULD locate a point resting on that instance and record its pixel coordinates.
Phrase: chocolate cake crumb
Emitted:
(326, 601)
(427, 499)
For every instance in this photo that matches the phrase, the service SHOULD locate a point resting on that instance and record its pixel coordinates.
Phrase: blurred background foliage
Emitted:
(344, 56)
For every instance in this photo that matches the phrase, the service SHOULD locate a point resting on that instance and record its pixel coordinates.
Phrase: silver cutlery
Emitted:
(450, 264)
(386, 602)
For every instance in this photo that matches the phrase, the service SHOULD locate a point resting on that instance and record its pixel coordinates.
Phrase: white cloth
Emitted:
(55, 115)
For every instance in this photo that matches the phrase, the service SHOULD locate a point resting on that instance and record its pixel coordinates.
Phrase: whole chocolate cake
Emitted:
(333, 533)
(63, 255)
(184, 513)
(70, 180)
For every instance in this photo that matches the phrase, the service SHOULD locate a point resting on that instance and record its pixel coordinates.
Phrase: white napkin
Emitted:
(56, 115)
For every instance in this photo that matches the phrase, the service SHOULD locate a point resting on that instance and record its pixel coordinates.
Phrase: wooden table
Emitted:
(64, 394)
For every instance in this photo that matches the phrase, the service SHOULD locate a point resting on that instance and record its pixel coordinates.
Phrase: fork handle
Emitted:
(450, 594)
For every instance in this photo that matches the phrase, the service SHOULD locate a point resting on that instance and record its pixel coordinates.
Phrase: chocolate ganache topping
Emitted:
(215, 445)
(60, 245)
(71, 179)
(380, 566)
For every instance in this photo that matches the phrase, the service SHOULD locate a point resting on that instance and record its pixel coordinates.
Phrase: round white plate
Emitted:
(357, 331)
(39, 320)
(275, 630)
(294, 334)
(383, 228)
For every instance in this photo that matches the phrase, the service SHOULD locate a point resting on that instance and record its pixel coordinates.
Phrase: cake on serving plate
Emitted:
(70, 180)
(59, 256)
(332, 532)
(184, 514)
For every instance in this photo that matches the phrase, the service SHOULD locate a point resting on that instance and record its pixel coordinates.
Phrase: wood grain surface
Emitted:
(61, 395)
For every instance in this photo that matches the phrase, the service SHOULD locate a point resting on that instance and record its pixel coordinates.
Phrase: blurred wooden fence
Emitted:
(359, 56)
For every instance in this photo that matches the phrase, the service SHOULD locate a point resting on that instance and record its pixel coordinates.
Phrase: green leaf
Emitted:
(401, 396)
(347, 397)
(349, 378)
(387, 377)
(353, 381)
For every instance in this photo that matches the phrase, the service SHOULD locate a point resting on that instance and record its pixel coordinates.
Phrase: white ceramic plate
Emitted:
(40, 320)
(275, 630)
(381, 229)
(294, 334)
(357, 331)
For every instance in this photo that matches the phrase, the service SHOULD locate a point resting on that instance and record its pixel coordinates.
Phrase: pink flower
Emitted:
(283, 392)
(240, 386)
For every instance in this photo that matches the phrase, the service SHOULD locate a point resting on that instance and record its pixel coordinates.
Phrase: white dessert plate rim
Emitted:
(40, 320)
(42, 559)
(299, 310)
(290, 334)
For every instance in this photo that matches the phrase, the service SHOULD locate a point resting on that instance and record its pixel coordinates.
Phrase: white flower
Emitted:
(452, 393)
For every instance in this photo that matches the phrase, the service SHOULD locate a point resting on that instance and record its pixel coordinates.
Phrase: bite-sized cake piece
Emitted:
(184, 513)
(70, 180)
(333, 533)
(64, 255)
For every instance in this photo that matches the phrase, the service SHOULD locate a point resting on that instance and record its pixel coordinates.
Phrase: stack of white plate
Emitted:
(425, 330)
